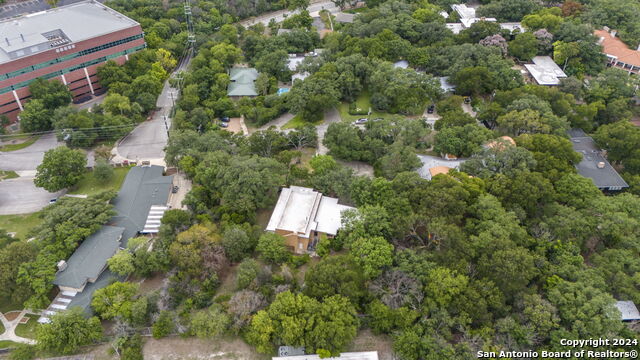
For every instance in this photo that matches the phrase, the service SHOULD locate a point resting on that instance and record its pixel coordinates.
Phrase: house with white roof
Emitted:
(366, 355)
(628, 311)
(303, 216)
(545, 71)
(468, 17)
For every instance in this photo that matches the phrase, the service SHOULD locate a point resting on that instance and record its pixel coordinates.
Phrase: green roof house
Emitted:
(242, 82)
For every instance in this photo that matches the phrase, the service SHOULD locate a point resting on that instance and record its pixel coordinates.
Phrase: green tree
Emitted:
(122, 263)
(103, 171)
(60, 168)
(115, 300)
(299, 320)
(237, 243)
(335, 275)
(35, 117)
(524, 46)
(68, 331)
(311, 97)
(461, 141)
(272, 248)
(372, 254)
(398, 159)
(247, 274)
(474, 81)
(209, 323)
(163, 326)
(53, 93)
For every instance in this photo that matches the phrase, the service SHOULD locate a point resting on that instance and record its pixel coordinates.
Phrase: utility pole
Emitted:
(191, 37)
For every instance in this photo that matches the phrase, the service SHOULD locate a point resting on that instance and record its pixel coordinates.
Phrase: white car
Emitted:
(361, 121)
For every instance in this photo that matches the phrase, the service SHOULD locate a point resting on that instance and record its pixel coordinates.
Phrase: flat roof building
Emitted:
(67, 44)
(593, 164)
(468, 17)
(367, 355)
(628, 311)
(302, 215)
(618, 53)
(545, 71)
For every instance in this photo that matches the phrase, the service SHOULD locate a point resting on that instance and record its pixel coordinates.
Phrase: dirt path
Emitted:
(176, 348)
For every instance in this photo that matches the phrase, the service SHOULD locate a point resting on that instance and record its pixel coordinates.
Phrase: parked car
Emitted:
(361, 121)
(467, 100)
(53, 201)
(431, 109)
(224, 125)
(225, 119)
(175, 189)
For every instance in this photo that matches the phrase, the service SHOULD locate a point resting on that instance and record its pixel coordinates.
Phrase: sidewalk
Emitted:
(10, 329)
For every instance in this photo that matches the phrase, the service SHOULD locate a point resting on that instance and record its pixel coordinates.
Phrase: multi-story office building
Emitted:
(67, 43)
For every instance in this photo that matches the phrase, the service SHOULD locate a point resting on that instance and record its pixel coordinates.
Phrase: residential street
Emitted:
(330, 116)
(148, 140)
(30, 157)
(313, 9)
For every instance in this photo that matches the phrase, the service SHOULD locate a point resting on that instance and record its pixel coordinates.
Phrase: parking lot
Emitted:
(235, 125)
(21, 196)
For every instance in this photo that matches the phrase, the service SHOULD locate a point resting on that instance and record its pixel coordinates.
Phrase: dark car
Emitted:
(53, 201)
(224, 125)
(175, 189)
(431, 109)
(225, 119)
(467, 100)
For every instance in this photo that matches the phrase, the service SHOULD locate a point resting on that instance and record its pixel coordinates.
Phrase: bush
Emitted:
(297, 261)
(248, 271)
(272, 248)
(103, 172)
(163, 326)
(23, 352)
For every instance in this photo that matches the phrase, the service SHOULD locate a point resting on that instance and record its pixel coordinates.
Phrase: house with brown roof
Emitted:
(618, 53)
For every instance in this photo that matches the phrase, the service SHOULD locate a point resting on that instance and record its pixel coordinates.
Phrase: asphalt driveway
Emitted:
(30, 157)
(21, 196)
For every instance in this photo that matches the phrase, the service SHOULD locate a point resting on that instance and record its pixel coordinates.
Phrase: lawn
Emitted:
(363, 102)
(20, 224)
(297, 122)
(28, 330)
(89, 185)
(22, 145)
(5, 174)
(7, 344)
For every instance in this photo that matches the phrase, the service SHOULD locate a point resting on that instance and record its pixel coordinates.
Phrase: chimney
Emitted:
(606, 28)
(614, 33)
(601, 165)
(22, 36)
(62, 265)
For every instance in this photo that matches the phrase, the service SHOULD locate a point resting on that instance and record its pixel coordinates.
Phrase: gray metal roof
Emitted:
(628, 310)
(242, 82)
(58, 28)
(90, 258)
(143, 187)
(603, 176)
(83, 299)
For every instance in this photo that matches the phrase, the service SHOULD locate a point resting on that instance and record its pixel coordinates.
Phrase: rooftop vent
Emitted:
(62, 265)
(601, 165)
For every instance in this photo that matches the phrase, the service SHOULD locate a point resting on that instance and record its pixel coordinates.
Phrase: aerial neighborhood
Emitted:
(319, 179)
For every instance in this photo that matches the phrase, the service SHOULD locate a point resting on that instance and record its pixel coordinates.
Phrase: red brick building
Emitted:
(67, 43)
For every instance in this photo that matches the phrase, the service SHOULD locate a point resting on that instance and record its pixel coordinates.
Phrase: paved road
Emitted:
(148, 140)
(15, 8)
(278, 122)
(330, 116)
(21, 196)
(279, 16)
(28, 158)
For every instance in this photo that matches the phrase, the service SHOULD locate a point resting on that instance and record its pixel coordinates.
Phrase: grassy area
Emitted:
(297, 122)
(22, 145)
(20, 224)
(28, 330)
(89, 185)
(363, 102)
(4, 175)
(7, 344)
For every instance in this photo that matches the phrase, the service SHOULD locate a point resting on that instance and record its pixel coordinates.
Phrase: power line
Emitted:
(72, 129)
